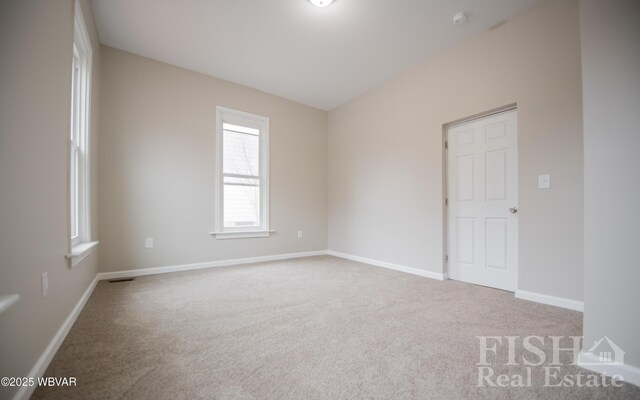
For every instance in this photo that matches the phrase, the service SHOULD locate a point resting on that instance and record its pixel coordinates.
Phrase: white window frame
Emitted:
(235, 117)
(80, 244)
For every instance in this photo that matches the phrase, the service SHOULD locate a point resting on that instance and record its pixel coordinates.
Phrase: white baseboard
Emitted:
(629, 373)
(550, 300)
(45, 359)
(210, 264)
(43, 362)
(384, 264)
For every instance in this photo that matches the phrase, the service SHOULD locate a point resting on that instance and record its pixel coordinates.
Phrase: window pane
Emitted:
(74, 192)
(74, 97)
(241, 129)
(240, 153)
(241, 205)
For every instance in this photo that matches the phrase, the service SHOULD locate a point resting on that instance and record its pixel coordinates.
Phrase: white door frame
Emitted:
(445, 186)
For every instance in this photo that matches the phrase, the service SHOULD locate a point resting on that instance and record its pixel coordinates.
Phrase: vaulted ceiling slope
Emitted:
(321, 57)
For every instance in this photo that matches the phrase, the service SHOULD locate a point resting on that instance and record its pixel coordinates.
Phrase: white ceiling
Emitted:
(321, 57)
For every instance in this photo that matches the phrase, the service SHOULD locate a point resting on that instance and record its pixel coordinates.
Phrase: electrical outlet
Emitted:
(299, 234)
(148, 243)
(45, 284)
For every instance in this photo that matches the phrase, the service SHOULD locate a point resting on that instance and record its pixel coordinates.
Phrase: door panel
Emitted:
(482, 187)
(465, 178)
(496, 246)
(496, 175)
(465, 239)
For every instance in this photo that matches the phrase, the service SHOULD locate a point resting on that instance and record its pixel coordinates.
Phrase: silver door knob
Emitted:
(513, 210)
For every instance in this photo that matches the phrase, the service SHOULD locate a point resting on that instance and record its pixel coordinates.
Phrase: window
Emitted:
(242, 175)
(79, 141)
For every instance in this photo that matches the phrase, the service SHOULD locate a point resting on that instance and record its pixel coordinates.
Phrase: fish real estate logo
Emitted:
(527, 361)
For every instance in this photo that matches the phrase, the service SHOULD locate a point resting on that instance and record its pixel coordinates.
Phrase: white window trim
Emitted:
(80, 251)
(81, 246)
(228, 115)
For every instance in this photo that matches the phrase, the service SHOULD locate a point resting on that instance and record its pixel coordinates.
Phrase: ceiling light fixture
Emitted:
(460, 18)
(321, 3)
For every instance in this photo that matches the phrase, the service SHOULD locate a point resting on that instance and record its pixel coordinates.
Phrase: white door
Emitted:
(482, 221)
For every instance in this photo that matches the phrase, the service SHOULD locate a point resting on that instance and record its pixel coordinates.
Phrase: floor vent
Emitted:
(121, 280)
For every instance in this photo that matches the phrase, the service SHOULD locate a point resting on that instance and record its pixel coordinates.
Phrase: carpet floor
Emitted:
(312, 328)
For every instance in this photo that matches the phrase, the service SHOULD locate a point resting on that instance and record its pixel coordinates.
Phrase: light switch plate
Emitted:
(544, 181)
(148, 243)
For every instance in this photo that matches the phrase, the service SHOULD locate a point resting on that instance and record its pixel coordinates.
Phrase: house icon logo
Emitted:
(604, 352)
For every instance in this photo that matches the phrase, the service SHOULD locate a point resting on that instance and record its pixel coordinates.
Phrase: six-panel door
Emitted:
(482, 188)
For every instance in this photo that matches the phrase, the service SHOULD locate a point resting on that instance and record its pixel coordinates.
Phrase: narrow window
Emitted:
(80, 232)
(242, 177)
(76, 149)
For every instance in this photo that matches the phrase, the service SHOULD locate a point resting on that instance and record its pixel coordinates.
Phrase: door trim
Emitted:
(464, 120)
(445, 186)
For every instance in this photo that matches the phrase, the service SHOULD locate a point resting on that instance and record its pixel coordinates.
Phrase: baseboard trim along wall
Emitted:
(629, 373)
(520, 294)
(43, 362)
(388, 265)
(551, 300)
(211, 264)
(45, 359)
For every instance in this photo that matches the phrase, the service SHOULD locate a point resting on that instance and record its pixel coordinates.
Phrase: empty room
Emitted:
(319, 199)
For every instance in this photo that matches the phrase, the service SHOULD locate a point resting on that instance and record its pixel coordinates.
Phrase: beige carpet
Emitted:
(313, 328)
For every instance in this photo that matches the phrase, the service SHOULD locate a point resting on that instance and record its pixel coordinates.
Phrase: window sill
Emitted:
(80, 251)
(241, 234)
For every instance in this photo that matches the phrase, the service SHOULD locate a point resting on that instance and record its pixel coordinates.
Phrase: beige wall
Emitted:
(36, 40)
(385, 149)
(611, 81)
(157, 167)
